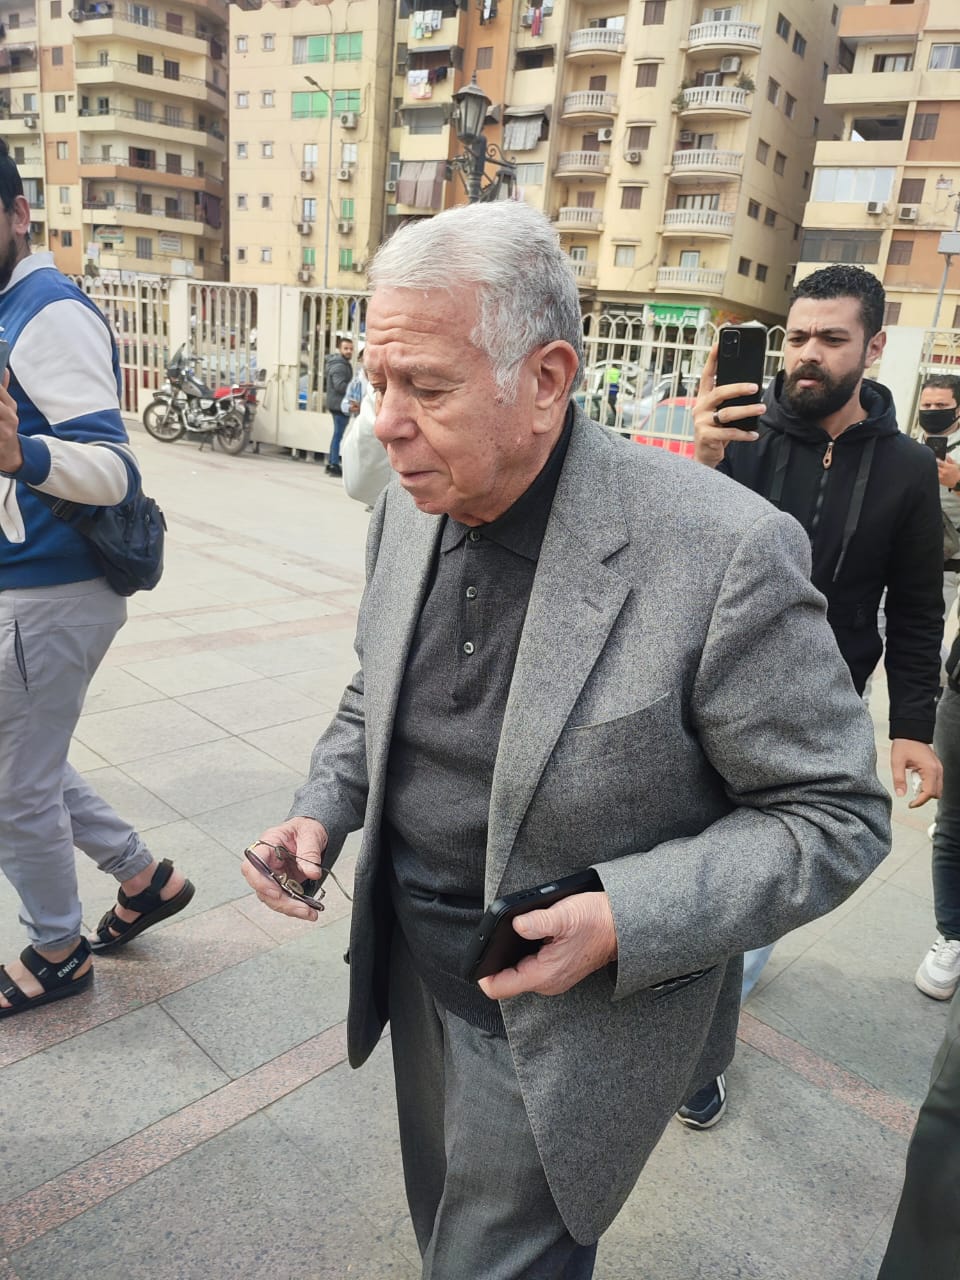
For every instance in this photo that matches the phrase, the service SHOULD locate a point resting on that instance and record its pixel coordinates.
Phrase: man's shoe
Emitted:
(939, 973)
(706, 1106)
(333, 469)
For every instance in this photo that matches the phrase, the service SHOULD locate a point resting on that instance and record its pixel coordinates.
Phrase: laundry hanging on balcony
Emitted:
(523, 127)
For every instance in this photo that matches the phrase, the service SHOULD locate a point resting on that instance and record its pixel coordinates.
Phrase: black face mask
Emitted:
(936, 421)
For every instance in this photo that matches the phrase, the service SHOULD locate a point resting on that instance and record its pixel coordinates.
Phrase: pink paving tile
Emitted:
(125, 655)
(166, 961)
(90, 1183)
(282, 928)
(893, 1113)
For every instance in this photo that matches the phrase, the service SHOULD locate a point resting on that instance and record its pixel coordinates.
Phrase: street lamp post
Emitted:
(326, 222)
(472, 107)
(949, 245)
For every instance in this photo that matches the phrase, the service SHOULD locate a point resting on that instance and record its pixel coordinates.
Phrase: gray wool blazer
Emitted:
(680, 718)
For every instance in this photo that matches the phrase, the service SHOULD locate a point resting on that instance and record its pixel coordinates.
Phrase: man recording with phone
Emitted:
(939, 419)
(824, 446)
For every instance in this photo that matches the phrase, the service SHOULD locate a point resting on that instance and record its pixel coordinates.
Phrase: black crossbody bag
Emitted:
(127, 539)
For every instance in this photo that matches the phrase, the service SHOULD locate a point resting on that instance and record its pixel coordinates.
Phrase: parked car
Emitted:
(670, 426)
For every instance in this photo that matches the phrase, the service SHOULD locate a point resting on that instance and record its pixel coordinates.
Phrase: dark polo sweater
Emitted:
(447, 731)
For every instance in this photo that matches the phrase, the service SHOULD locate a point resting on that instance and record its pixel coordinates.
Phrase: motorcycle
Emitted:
(186, 405)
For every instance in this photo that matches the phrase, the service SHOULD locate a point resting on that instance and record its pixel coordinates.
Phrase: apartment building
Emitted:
(115, 113)
(309, 101)
(670, 141)
(887, 190)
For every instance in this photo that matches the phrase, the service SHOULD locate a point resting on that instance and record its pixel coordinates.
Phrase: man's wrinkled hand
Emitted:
(306, 838)
(906, 754)
(580, 939)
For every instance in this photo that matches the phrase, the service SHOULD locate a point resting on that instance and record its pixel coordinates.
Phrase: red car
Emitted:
(670, 426)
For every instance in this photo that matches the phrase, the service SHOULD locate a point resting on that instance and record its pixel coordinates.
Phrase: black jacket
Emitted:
(871, 507)
(338, 374)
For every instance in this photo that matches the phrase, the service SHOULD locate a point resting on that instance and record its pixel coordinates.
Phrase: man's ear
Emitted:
(553, 367)
(875, 348)
(21, 216)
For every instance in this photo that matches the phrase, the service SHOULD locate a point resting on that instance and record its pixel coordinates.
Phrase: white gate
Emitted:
(138, 311)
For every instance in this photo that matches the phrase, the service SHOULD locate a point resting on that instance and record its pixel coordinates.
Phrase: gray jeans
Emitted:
(52, 639)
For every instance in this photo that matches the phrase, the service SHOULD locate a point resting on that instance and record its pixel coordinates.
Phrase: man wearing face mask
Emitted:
(939, 418)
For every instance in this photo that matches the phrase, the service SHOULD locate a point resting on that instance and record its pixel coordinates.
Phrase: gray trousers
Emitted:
(478, 1196)
(52, 639)
(925, 1241)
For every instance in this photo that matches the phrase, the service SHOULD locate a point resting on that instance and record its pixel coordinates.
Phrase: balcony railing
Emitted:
(192, 126)
(583, 270)
(106, 9)
(711, 160)
(691, 278)
(132, 66)
(598, 39)
(122, 162)
(593, 101)
(726, 33)
(582, 219)
(179, 215)
(699, 220)
(591, 161)
(714, 97)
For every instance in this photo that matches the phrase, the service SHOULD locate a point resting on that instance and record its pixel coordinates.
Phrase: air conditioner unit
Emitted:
(64, 208)
(633, 157)
(390, 186)
(306, 175)
(526, 19)
(29, 122)
(685, 135)
(345, 173)
(874, 207)
(359, 266)
(344, 226)
(908, 212)
(730, 64)
(84, 111)
(304, 228)
(76, 15)
(304, 275)
(348, 119)
(604, 135)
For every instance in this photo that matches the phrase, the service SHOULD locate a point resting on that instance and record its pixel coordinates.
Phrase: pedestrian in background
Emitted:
(939, 420)
(337, 373)
(61, 434)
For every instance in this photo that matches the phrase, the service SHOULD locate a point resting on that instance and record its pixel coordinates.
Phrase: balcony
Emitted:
(590, 102)
(573, 218)
(693, 279)
(102, 20)
(595, 162)
(603, 42)
(714, 99)
(884, 89)
(702, 222)
(158, 175)
(155, 127)
(723, 35)
(690, 166)
(113, 71)
(585, 272)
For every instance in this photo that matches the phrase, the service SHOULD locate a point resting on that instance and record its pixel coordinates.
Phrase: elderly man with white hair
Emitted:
(572, 654)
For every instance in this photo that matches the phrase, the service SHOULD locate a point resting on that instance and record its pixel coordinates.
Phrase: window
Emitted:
(311, 49)
(29, 102)
(348, 153)
(891, 313)
(59, 102)
(901, 251)
(956, 317)
(267, 98)
(789, 105)
(173, 116)
(309, 209)
(143, 109)
(63, 150)
(770, 218)
(174, 162)
(103, 106)
(348, 46)
(175, 23)
(266, 202)
(763, 150)
(64, 195)
(140, 14)
(241, 255)
(944, 57)
(103, 57)
(144, 246)
(840, 246)
(266, 254)
(66, 239)
(346, 260)
(530, 175)
(347, 206)
(56, 55)
(145, 64)
(883, 62)
(773, 90)
(853, 186)
(266, 150)
(241, 151)
(310, 155)
(13, 20)
(654, 13)
(624, 255)
(242, 44)
(911, 190)
(484, 58)
(704, 200)
(690, 260)
(638, 137)
(779, 163)
(346, 100)
(243, 100)
(631, 197)
(647, 75)
(310, 257)
(533, 59)
(761, 272)
(743, 267)
(171, 207)
(268, 42)
(241, 200)
(310, 106)
(799, 44)
(753, 209)
(925, 126)
(55, 8)
(171, 69)
(783, 27)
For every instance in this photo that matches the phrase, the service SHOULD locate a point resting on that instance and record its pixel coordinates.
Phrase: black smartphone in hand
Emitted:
(496, 945)
(741, 354)
(4, 357)
(938, 444)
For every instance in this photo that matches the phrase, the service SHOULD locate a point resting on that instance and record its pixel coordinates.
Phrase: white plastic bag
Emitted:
(366, 468)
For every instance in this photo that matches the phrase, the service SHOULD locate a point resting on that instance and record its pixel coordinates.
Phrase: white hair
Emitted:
(526, 290)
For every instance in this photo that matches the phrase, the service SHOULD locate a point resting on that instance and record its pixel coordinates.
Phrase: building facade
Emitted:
(887, 191)
(116, 115)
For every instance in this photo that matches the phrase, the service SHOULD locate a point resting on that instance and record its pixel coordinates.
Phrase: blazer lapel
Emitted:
(576, 599)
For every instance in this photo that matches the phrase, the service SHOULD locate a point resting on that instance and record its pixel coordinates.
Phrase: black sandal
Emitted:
(55, 979)
(114, 932)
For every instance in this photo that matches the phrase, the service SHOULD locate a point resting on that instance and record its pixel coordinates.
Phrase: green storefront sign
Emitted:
(683, 317)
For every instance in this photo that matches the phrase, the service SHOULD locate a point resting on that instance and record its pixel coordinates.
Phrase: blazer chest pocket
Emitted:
(624, 735)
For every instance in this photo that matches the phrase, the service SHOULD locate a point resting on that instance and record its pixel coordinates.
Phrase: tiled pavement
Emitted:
(195, 1117)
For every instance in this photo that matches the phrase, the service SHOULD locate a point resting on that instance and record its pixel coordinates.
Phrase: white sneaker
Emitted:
(939, 973)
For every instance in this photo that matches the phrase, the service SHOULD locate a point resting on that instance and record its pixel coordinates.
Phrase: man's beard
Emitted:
(812, 403)
(8, 263)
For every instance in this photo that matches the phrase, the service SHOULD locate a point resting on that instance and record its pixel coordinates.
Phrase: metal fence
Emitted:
(138, 311)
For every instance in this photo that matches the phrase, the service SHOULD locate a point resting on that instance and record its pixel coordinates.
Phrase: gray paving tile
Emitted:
(236, 1207)
(236, 824)
(83, 759)
(136, 803)
(113, 687)
(130, 733)
(245, 708)
(212, 621)
(292, 743)
(191, 672)
(109, 1082)
(293, 610)
(244, 589)
(146, 628)
(208, 777)
(284, 654)
(283, 998)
